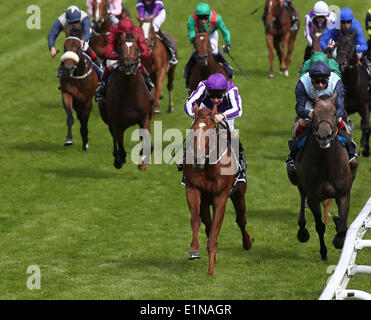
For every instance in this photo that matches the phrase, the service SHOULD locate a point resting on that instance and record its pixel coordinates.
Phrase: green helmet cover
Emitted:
(203, 9)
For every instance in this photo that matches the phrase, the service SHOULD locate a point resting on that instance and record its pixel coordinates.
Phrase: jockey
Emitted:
(74, 22)
(320, 56)
(203, 19)
(114, 9)
(348, 23)
(290, 7)
(155, 9)
(320, 17)
(322, 81)
(125, 25)
(217, 90)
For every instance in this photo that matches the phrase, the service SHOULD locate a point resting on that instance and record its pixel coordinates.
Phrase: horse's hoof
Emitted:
(303, 235)
(142, 167)
(338, 242)
(85, 147)
(194, 254)
(270, 75)
(68, 142)
(117, 164)
(365, 153)
(286, 73)
(248, 244)
(170, 110)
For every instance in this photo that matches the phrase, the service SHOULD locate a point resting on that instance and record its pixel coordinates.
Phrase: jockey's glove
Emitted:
(227, 48)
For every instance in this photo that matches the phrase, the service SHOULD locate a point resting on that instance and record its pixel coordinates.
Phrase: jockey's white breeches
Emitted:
(158, 20)
(214, 40)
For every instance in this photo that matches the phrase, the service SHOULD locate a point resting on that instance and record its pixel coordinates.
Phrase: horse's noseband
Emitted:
(324, 141)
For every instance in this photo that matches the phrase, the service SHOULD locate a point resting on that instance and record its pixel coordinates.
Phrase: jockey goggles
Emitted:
(320, 80)
(346, 21)
(216, 94)
(203, 17)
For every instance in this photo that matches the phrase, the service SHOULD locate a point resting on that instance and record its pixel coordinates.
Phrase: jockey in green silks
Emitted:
(203, 19)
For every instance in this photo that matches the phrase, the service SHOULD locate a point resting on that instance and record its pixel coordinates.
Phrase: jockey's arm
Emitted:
(159, 6)
(110, 45)
(235, 105)
(195, 98)
(140, 9)
(85, 26)
(360, 40)
(339, 103)
(223, 29)
(301, 101)
(307, 36)
(327, 35)
(54, 32)
(191, 26)
(115, 7)
(89, 4)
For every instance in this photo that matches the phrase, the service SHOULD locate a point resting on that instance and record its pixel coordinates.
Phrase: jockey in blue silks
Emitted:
(74, 21)
(347, 22)
(217, 90)
(322, 81)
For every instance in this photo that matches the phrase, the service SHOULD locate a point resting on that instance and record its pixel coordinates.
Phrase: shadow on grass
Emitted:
(84, 173)
(42, 146)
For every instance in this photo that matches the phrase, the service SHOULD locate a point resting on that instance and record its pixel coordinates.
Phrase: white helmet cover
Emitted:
(320, 8)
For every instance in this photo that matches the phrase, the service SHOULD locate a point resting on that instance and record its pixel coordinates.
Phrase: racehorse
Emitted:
(127, 102)
(157, 65)
(209, 182)
(279, 35)
(101, 25)
(323, 172)
(206, 63)
(78, 83)
(355, 81)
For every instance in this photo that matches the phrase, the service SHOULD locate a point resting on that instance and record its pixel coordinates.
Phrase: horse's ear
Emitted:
(315, 97)
(334, 96)
(195, 110)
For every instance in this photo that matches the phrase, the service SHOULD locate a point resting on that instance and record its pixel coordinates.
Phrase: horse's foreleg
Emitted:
(315, 207)
(343, 204)
(147, 148)
(67, 100)
(212, 243)
(83, 117)
(239, 203)
(284, 66)
(170, 81)
(119, 152)
(366, 130)
(194, 201)
(290, 49)
(303, 234)
(269, 40)
(160, 75)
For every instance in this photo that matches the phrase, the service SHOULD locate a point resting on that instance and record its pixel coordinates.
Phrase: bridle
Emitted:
(203, 58)
(97, 23)
(315, 126)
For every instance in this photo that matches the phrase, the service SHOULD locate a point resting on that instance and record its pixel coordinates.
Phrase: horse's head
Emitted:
(316, 36)
(324, 120)
(72, 54)
(202, 46)
(100, 13)
(148, 31)
(346, 52)
(272, 11)
(129, 53)
(204, 136)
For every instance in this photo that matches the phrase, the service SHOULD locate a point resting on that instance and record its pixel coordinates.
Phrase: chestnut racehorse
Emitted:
(127, 103)
(279, 35)
(78, 84)
(323, 172)
(210, 182)
(157, 65)
(206, 63)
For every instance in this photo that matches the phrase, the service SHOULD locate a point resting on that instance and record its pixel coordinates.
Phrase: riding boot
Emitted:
(228, 69)
(367, 65)
(100, 93)
(242, 164)
(147, 78)
(187, 69)
(294, 19)
(170, 46)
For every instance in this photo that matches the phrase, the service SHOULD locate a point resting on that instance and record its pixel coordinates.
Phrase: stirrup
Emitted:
(173, 60)
(241, 177)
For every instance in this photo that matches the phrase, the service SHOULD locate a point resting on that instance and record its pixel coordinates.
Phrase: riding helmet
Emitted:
(320, 8)
(346, 14)
(125, 25)
(319, 69)
(216, 82)
(203, 9)
(73, 14)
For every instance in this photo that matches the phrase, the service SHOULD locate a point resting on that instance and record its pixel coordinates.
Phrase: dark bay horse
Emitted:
(355, 81)
(78, 84)
(101, 26)
(127, 103)
(279, 35)
(323, 172)
(206, 63)
(157, 65)
(210, 182)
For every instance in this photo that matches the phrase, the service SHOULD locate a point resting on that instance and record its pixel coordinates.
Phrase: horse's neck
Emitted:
(84, 64)
(129, 82)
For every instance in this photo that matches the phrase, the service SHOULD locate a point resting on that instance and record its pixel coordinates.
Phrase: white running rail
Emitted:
(347, 267)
